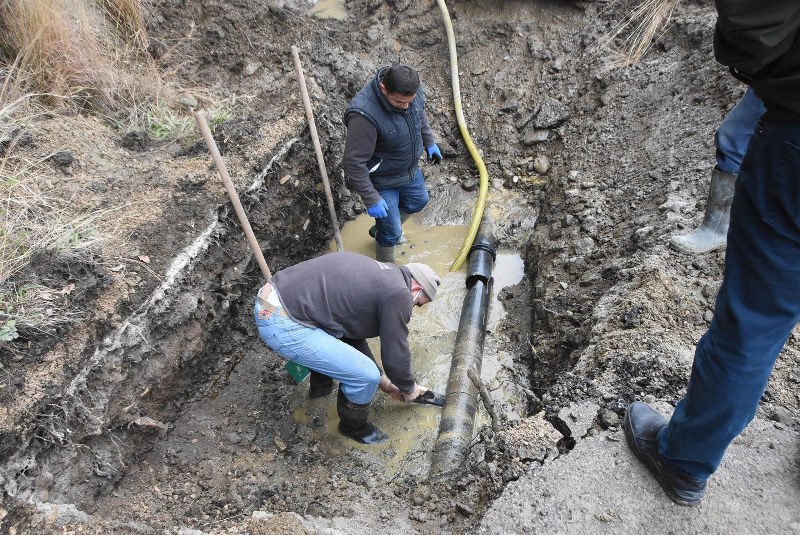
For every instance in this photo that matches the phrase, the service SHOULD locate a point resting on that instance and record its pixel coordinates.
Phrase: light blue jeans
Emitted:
(409, 199)
(317, 350)
(735, 131)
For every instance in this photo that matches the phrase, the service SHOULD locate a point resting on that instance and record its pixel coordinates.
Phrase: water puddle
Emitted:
(413, 428)
(329, 9)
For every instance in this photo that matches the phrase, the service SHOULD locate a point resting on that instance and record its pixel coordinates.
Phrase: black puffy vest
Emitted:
(399, 144)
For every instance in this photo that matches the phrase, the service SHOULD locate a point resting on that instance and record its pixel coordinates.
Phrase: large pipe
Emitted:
(458, 415)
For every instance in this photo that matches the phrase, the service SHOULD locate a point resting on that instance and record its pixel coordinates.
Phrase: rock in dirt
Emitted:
(579, 417)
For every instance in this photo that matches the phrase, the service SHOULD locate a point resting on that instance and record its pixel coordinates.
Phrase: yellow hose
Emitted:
(483, 191)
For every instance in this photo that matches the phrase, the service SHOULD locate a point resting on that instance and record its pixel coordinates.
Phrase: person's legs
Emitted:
(315, 349)
(735, 131)
(361, 345)
(388, 228)
(414, 196)
(731, 140)
(402, 202)
(757, 307)
(321, 384)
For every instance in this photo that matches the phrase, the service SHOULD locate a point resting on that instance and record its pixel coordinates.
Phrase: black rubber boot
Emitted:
(373, 230)
(642, 425)
(319, 385)
(384, 254)
(353, 422)
(713, 233)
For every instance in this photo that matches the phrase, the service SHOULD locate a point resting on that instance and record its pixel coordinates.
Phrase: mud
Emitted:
(161, 411)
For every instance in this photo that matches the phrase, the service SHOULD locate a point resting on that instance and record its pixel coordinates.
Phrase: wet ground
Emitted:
(163, 412)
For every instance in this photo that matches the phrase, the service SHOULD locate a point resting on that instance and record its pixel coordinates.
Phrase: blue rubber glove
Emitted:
(379, 210)
(434, 154)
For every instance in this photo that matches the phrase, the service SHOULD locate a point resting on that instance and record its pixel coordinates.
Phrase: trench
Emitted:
(252, 420)
(200, 417)
(217, 402)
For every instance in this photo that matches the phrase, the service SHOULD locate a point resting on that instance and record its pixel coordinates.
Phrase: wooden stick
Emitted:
(487, 399)
(317, 149)
(237, 204)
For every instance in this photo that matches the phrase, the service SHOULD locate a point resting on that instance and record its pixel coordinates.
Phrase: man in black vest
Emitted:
(387, 130)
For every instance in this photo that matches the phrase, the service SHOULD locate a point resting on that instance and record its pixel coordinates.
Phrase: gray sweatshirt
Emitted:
(349, 295)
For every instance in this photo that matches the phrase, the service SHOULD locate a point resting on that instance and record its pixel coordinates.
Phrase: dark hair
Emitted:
(401, 79)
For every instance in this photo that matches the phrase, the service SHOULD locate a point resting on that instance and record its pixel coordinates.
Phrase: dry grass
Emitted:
(51, 55)
(643, 25)
(55, 50)
(91, 53)
(33, 223)
(127, 17)
(82, 55)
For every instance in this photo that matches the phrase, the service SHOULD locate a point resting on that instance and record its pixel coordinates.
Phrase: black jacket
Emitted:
(760, 41)
(384, 143)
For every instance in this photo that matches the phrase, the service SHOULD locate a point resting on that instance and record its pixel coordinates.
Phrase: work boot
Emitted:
(384, 254)
(373, 231)
(713, 233)
(642, 425)
(353, 421)
(319, 385)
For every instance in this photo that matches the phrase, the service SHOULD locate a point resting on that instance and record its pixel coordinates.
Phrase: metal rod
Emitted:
(237, 204)
(317, 149)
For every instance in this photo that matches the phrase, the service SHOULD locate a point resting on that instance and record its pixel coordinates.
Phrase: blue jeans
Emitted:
(317, 350)
(757, 306)
(408, 199)
(735, 131)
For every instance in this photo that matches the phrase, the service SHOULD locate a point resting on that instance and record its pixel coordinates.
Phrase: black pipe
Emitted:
(458, 414)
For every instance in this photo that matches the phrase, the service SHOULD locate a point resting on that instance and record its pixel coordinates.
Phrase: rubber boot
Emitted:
(384, 254)
(353, 422)
(373, 230)
(319, 385)
(713, 233)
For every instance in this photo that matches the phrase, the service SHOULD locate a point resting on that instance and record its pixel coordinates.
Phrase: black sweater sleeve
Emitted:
(359, 147)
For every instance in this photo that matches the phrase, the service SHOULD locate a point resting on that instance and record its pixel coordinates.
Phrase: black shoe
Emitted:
(642, 425)
(366, 434)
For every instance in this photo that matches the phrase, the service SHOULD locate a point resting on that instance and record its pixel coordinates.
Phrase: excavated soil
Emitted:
(161, 412)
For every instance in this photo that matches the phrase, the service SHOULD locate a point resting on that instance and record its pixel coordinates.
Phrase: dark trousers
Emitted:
(757, 307)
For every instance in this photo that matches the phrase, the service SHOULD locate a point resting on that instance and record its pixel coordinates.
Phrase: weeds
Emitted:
(55, 49)
(163, 122)
(126, 15)
(85, 55)
(31, 222)
(648, 20)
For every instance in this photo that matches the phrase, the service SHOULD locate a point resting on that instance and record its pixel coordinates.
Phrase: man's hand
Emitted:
(390, 388)
(411, 396)
(434, 154)
(379, 210)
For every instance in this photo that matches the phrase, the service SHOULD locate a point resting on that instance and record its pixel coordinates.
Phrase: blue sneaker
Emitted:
(642, 425)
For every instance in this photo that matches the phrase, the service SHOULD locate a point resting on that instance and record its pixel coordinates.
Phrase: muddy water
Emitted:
(413, 428)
